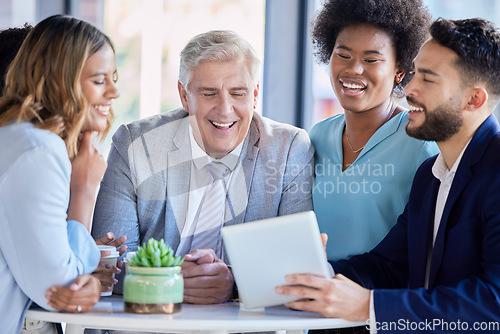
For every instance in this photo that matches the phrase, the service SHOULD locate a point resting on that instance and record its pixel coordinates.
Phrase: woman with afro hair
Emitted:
(365, 161)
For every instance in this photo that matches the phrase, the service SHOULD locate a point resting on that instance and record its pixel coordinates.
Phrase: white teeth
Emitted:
(352, 85)
(222, 125)
(414, 109)
(102, 108)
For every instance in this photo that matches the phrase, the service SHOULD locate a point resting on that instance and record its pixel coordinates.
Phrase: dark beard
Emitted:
(440, 124)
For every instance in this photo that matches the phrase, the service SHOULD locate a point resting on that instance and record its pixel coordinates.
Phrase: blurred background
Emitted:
(149, 34)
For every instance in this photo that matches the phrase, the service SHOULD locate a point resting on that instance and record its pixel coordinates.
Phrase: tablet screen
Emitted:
(263, 252)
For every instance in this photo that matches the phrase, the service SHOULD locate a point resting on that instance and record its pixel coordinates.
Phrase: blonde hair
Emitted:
(43, 82)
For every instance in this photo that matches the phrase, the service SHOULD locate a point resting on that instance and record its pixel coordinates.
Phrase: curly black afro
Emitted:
(407, 21)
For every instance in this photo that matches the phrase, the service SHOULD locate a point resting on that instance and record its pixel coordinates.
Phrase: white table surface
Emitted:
(223, 318)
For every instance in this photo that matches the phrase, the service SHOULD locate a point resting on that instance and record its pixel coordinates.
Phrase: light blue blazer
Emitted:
(144, 192)
(38, 247)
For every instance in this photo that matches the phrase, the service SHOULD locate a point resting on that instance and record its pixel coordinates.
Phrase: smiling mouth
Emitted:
(351, 87)
(415, 109)
(223, 125)
(413, 106)
(103, 109)
(352, 83)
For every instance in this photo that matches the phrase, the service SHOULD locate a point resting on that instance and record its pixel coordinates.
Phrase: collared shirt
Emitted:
(445, 176)
(358, 206)
(200, 179)
(379, 180)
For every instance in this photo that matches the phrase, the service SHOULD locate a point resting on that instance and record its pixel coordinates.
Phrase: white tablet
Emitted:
(262, 253)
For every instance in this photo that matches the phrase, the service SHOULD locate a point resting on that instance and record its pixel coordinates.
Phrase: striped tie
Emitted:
(211, 214)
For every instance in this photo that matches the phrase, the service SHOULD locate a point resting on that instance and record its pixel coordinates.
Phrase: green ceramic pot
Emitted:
(153, 290)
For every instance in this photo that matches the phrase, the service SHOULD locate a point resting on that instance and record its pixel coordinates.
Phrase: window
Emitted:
(148, 36)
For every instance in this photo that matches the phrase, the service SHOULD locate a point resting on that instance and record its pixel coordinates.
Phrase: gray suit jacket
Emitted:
(144, 192)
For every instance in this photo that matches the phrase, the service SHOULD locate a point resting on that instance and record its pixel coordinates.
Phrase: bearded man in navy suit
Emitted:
(438, 269)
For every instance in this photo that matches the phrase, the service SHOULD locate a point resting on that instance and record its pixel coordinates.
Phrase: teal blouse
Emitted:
(358, 207)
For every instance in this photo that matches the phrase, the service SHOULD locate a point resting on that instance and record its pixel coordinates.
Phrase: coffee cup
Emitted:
(110, 260)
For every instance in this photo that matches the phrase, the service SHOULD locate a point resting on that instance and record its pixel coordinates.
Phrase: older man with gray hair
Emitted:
(183, 174)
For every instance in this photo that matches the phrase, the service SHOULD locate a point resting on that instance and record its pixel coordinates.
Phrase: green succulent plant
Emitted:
(155, 253)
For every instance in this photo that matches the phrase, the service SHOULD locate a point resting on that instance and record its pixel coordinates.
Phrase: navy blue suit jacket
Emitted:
(464, 282)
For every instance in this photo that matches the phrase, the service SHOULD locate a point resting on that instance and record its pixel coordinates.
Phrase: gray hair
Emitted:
(216, 45)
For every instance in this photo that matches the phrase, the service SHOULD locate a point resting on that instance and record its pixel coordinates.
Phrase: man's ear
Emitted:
(183, 95)
(477, 99)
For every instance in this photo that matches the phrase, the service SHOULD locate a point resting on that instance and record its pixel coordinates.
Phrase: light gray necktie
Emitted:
(211, 214)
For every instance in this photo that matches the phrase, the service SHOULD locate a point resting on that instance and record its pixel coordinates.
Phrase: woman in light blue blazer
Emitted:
(59, 91)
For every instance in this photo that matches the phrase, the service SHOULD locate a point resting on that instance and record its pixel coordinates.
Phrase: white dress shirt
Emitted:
(445, 176)
(198, 184)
